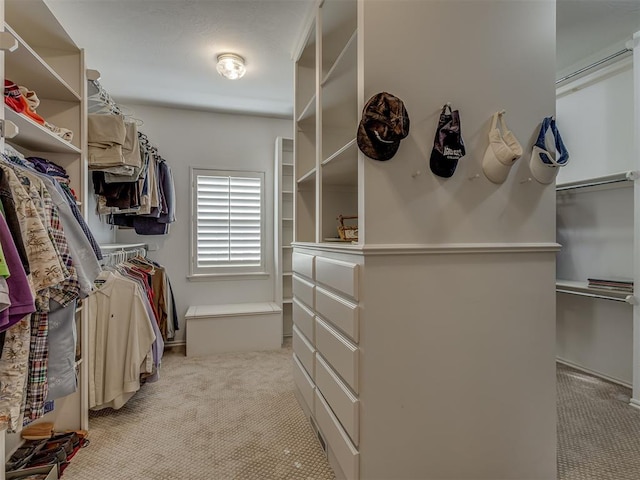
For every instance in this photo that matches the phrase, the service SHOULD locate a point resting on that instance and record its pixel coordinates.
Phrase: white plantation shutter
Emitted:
(228, 219)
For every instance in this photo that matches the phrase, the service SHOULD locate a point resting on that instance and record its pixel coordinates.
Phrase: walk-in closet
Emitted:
(320, 239)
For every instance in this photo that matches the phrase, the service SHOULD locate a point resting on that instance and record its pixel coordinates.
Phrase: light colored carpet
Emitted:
(598, 432)
(234, 416)
(231, 416)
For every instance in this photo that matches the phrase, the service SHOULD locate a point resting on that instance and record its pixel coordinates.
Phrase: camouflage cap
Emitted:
(384, 123)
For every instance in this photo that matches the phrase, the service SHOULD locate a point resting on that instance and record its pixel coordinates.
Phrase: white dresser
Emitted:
(326, 354)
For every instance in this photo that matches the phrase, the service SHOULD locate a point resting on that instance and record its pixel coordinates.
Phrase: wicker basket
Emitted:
(347, 232)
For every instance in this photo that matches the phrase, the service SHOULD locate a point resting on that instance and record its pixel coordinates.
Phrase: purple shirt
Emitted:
(19, 291)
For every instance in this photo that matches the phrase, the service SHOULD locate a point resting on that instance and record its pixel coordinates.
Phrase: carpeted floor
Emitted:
(598, 432)
(220, 417)
(234, 417)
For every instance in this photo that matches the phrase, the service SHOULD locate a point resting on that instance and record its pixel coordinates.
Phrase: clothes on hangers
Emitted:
(37, 343)
(121, 335)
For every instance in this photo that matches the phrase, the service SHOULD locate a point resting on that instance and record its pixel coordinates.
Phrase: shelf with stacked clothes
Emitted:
(133, 183)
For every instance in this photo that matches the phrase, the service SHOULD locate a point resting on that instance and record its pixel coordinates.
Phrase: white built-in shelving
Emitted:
(48, 62)
(283, 228)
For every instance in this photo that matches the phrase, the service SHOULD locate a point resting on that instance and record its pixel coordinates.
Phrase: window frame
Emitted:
(226, 271)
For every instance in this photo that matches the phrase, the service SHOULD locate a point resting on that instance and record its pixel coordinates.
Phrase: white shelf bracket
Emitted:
(8, 129)
(631, 300)
(93, 75)
(8, 42)
(632, 175)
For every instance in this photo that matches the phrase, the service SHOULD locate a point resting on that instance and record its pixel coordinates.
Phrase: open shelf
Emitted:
(308, 177)
(35, 137)
(571, 287)
(25, 67)
(309, 110)
(345, 61)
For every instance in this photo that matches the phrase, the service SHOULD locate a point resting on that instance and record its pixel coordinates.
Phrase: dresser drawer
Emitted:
(304, 350)
(340, 312)
(303, 318)
(341, 276)
(304, 291)
(341, 354)
(345, 453)
(303, 264)
(344, 404)
(304, 383)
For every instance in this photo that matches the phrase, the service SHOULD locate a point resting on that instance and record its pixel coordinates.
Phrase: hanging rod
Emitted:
(594, 65)
(598, 181)
(630, 299)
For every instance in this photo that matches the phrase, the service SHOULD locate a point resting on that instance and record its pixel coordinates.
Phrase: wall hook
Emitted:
(526, 180)
(416, 174)
(473, 177)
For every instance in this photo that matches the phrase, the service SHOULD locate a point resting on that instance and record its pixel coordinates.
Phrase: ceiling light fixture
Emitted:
(231, 66)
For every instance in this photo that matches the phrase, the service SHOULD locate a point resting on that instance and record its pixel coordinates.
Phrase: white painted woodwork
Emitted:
(303, 382)
(345, 453)
(283, 188)
(344, 404)
(303, 264)
(341, 276)
(49, 62)
(303, 290)
(340, 312)
(304, 350)
(338, 351)
(457, 268)
(303, 318)
(233, 328)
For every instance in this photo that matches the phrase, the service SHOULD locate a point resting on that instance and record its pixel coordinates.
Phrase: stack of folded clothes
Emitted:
(22, 100)
(56, 450)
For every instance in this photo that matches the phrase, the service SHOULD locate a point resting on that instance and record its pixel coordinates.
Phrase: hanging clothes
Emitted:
(121, 336)
(38, 350)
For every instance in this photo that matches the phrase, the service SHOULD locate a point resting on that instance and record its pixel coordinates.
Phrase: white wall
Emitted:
(187, 139)
(482, 57)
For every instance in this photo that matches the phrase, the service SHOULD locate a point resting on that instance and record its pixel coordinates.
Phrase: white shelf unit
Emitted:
(598, 224)
(50, 63)
(283, 228)
(373, 319)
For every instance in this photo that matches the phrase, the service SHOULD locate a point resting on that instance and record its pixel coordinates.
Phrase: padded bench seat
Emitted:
(234, 327)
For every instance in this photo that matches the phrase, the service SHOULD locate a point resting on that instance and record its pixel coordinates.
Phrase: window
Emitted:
(228, 222)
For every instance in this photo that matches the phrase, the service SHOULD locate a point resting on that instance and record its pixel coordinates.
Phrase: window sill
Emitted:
(212, 277)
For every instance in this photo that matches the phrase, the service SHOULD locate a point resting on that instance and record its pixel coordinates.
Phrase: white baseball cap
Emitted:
(502, 152)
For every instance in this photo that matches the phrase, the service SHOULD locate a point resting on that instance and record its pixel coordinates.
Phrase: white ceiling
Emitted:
(163, 52)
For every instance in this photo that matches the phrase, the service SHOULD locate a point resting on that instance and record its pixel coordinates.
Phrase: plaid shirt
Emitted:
(64, 293)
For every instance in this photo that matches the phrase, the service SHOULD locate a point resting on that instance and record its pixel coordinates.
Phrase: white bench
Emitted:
(233, 327)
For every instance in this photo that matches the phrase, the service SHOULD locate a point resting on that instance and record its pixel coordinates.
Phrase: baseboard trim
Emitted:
(634, 403)
(595, 373)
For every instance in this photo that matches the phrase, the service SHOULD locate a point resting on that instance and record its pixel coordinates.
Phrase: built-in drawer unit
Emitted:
(303, 318)
(303, 291)
(341, 276)
(340, 312)
(343, 402)
(304, 350)
(338, 441)
(304, 383)
(303, 264)
(341, 353)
